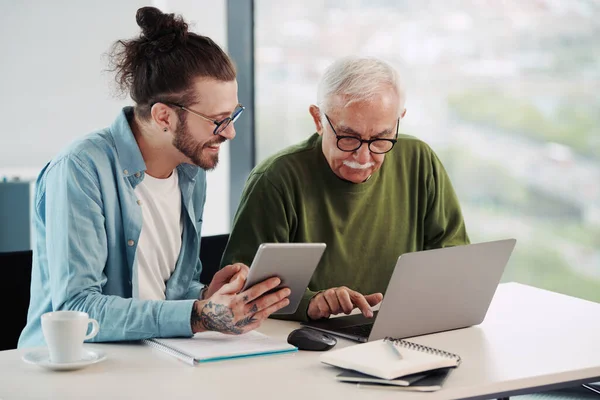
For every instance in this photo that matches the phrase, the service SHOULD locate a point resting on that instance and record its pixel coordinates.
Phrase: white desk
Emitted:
(531, 340)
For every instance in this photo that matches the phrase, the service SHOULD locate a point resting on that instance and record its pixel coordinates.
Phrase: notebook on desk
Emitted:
(423, 382)
(390, 358)
(215, 346)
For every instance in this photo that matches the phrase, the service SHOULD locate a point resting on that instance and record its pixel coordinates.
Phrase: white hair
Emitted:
(359, 79)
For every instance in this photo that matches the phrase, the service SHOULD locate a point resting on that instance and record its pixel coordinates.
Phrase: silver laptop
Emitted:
(431, 291)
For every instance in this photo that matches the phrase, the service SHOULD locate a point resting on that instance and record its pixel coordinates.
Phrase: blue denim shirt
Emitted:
(87, 223)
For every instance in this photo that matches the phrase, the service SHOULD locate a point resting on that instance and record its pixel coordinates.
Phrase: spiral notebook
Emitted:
(215, 346)
(390, 358)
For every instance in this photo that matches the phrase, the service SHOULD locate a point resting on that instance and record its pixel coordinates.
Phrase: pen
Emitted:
(395, 349)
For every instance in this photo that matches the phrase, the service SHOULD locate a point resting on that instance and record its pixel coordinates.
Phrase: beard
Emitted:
(192, 149)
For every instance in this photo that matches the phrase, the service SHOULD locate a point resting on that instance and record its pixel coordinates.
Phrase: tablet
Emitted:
(293, 263)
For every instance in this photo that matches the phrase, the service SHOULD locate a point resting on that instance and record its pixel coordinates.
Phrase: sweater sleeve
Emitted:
(444, 223)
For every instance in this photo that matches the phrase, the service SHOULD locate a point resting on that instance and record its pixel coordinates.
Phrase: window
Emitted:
(505, 92)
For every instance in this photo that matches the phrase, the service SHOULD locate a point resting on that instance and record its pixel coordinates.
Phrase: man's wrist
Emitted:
(203, 292)
(310, 300)
(196, 317)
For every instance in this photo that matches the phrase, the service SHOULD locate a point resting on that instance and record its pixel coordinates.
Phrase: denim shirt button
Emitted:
(137, 174)
(130, 242)
(139, 202)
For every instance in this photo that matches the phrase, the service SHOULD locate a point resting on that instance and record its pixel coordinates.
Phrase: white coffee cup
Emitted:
(65, 332)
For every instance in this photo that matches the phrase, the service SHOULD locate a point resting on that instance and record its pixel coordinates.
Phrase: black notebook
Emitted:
(423, 382)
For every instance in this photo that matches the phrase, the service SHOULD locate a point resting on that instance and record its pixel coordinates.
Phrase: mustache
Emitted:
(356, 165)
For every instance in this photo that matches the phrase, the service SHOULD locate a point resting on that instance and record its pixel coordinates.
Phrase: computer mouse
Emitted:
(311, 339)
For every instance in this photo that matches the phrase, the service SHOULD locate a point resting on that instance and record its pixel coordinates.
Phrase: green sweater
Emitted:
(407, 205)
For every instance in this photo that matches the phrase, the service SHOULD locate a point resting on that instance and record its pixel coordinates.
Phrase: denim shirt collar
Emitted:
(128, 151)
(130, 156)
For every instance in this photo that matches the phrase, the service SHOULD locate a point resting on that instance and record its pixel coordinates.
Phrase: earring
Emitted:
(165, 129)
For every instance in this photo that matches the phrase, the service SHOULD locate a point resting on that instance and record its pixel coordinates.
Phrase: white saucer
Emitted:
(41, 358)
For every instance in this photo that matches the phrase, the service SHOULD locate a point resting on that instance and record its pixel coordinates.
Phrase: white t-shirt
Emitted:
(160, 239)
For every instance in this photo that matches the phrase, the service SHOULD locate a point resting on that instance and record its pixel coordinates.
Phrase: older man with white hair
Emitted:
(358, 185)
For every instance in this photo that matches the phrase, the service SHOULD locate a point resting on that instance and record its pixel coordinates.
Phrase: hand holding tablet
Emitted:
(293, 263)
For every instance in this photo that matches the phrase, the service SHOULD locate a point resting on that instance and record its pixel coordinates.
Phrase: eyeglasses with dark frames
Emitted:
(220, 125)
(353, 143)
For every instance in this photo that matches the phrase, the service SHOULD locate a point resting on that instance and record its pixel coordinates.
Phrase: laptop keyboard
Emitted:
(357, 330)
